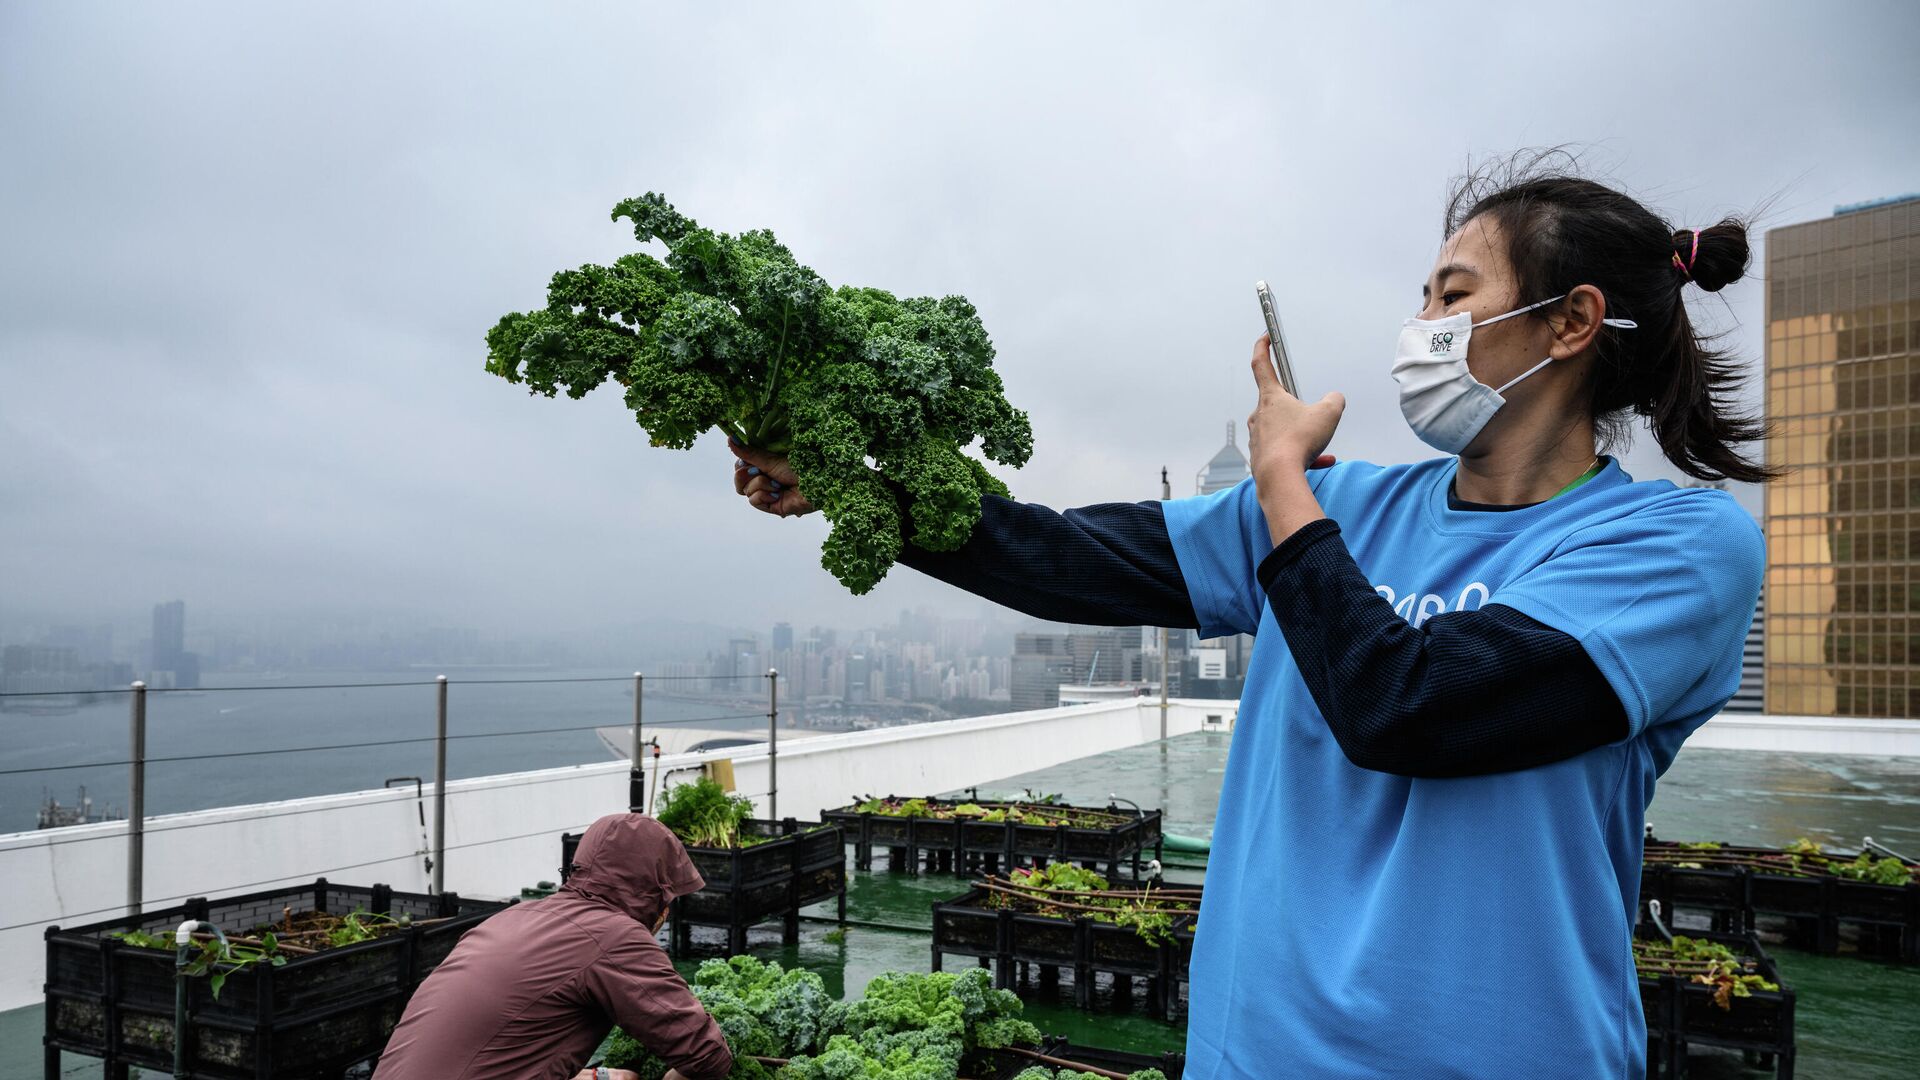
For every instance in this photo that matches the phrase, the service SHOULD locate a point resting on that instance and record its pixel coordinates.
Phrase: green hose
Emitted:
(1191, 845)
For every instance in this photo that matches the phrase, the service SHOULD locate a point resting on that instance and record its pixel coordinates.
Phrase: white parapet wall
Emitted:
(503, 831)
(1809, 735)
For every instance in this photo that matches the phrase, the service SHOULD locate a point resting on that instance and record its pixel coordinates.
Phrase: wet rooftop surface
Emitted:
(1856, 1018)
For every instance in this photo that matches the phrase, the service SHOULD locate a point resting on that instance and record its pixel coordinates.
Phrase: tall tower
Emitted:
(1227, 468)
(1843, 524)
(169, 634)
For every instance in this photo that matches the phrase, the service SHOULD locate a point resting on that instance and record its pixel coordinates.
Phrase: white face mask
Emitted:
(1442, 401)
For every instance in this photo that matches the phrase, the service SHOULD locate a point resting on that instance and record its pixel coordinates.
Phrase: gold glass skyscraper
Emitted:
(1843, 524)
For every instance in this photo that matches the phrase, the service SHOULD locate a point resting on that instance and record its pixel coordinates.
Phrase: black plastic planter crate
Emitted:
(966, 930)
(1720, 891)
(966, 926)
(1818, 903)
(313, 1015)
(797, 865)
(1790, 894)
(1042, 939)
(1867, 902)
(960, 844)
(1680, 1012)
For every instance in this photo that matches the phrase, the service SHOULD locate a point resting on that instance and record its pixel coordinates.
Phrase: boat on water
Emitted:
(54, 815)
(61, 705)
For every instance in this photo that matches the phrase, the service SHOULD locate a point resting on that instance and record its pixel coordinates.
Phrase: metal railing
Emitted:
(138, 760)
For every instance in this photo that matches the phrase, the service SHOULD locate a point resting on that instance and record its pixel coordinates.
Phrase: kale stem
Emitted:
(769, 420)
(773, 378)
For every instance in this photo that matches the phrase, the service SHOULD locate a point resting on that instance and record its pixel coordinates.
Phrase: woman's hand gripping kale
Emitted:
(767, 481)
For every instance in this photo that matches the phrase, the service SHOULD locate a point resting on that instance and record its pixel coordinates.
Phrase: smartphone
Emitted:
(1275, 339)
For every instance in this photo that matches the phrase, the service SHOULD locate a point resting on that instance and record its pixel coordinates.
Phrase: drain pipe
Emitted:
(182, 942)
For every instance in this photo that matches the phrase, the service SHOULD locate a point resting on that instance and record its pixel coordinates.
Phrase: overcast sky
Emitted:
(250, 252)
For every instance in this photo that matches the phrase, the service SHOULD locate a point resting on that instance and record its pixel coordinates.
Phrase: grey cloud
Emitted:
(252, 250)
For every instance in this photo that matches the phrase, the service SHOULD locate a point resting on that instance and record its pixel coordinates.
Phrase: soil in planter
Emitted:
(1707, 963)
(293, 935)
(1066, 891)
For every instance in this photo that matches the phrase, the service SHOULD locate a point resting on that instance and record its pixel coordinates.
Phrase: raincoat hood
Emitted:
(633, 863)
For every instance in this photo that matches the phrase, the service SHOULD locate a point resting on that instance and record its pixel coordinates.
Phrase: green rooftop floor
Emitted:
(1856, 1019)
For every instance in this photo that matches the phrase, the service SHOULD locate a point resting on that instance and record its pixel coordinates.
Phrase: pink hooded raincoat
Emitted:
(529, 994)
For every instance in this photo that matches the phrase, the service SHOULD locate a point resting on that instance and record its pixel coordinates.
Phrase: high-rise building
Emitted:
(1751, 697)
(782, 637)
(173, 665)
(859, 678)
(1100, 653)
(1843, 524)
(1227, 468)
(169, 633)
(1041, 662)
(743, 658)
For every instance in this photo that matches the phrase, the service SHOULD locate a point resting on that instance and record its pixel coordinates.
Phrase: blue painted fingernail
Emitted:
(776, 485)
(753, 472)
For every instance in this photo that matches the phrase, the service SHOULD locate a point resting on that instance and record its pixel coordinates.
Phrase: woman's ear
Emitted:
(1577, 322)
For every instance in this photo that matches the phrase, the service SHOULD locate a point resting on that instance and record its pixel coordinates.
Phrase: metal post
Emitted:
(637, 774)
(773, 744)
(440, 790)
(137, 803)
(1166, 492)
(639, 686)
(1163, 684)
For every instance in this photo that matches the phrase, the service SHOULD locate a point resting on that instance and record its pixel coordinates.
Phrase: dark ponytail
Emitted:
(1562, 231)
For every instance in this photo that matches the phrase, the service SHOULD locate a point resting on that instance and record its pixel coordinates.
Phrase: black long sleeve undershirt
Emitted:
(1110, 564)
(1464, 694)
(1469, 693)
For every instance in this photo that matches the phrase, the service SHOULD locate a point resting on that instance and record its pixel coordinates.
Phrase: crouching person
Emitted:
(531, 992)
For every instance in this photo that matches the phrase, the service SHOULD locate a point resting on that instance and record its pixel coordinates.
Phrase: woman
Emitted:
(531, 992)
(1468, 672)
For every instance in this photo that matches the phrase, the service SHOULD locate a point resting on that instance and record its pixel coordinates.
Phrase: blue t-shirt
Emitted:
(1361, 924)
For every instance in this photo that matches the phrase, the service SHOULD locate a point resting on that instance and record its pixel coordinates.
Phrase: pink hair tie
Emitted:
(1687, 267)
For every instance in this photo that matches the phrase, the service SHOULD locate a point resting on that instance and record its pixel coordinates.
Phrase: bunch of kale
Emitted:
(762, 1009)
(906, 1027)
(872, 396)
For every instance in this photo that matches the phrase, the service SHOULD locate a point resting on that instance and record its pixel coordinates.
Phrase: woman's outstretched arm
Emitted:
(1110, 564)
(1107, 565)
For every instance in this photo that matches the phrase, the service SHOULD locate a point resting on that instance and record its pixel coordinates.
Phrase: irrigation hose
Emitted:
(182, 944)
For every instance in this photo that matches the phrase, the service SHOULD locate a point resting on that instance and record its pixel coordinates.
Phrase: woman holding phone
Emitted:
(1469, 671)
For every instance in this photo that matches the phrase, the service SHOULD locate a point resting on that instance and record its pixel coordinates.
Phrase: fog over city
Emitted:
(251, 252)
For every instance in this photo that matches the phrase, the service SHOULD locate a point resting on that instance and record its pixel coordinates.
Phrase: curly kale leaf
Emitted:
(787, 1007)
(762, 1009)
(876, 397)
(964, 1008)
(848, 1059)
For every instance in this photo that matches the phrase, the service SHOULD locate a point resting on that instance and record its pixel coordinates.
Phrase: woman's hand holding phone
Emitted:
(1285, 438)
